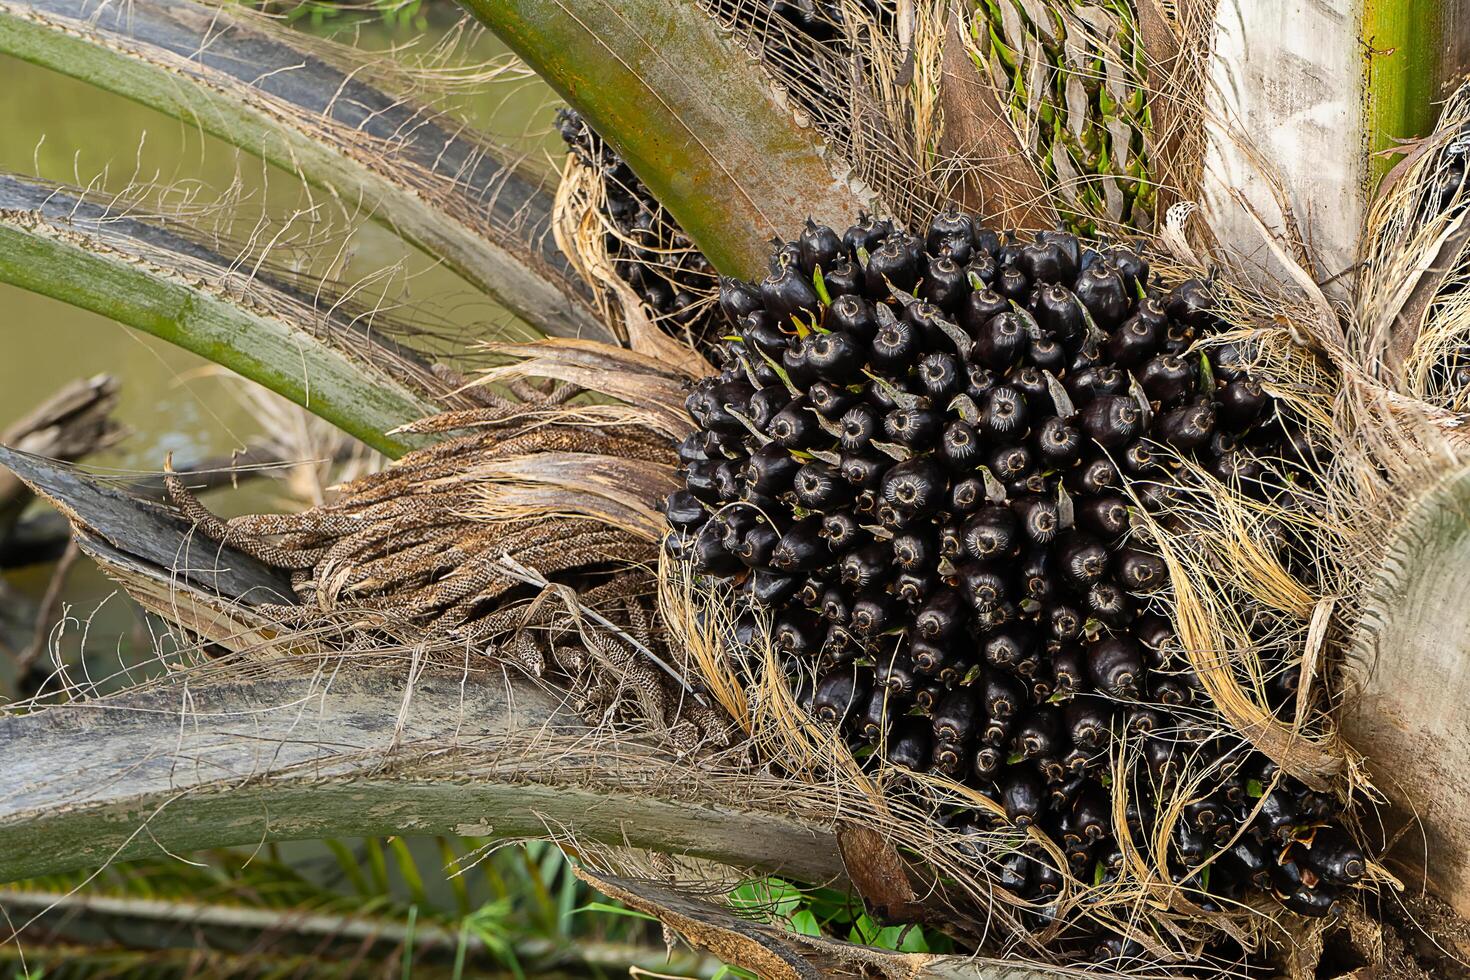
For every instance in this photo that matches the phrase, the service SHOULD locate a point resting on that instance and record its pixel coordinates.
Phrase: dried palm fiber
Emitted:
(622, 240)
(443, 551)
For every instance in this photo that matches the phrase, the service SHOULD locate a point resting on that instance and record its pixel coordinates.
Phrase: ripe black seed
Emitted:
(793, 426)
(1167, 379)
(1108, 602)
(1003, 695)
(1041, 519)
(1083, 559)
(788, 293)
(1105, 515)
(1095, 381)
(1038, 580)
(943, 614)
(737, 299)
(1000, 341)
(835, 607)
(1335, 857)
(1101, 290)
(915, 551)
(1190, 304)
(819, 486)
(1069, 669)
(829, 400)
(1065, 622)
(926, 696)
(891, 266)
(991, 532)
(840, 529)
(872, 720)
(911, 746)
(947, 224)
(896, 345)
(1057, 443)
(871, 613)
(770, 470)
(1021, 794)
(1240, 403)
(897, 675)
(987, 762)
(866, 234)
(1139, 571)
(1188, 427)
(914, 486)
(772, 588)
(858, 426)
(684, 511)
(929, 658)
(1009, 463)
(819, 245)
(1134, 342)
(947, 284)
(801, 549)
(766, 403)
(863, 470)
(853, 316)
(949, 758)
(835, 357)
(1038, 733)
(1004, 412)
(838, 693)
(980, 308)
(1088, 723)
(1058, 312)
(756, 546)
(760, 332)
(916, 428)
(1044, 261)
(956, 715)
(1112, 420)
(959, 447)
(939, 376)
(861, 568)
(1138, 458)
(1115, 666)
(844, 278)
(1011, 283)
(983, 587)
(796, 632)
(1093, 476)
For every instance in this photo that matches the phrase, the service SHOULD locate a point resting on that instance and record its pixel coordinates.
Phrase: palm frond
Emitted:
(312, 112)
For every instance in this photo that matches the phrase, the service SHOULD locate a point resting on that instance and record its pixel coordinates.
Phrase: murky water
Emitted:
(171, 401)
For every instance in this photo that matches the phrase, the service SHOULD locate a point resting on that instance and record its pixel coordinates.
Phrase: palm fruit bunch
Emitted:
(647, 248)
(1076, 77)
(924, 456)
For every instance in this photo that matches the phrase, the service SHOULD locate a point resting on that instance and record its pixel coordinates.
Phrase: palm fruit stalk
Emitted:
(1075, 83)
(924, 456)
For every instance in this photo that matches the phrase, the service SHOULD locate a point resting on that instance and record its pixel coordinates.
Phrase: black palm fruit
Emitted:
(950, 465)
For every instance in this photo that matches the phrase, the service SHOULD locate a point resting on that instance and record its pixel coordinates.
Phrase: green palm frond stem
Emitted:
(694, 116)
(153, 279)
(1410, 48)
(448, 192)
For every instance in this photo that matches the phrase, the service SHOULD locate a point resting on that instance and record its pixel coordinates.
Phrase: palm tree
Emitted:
(279, 721)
